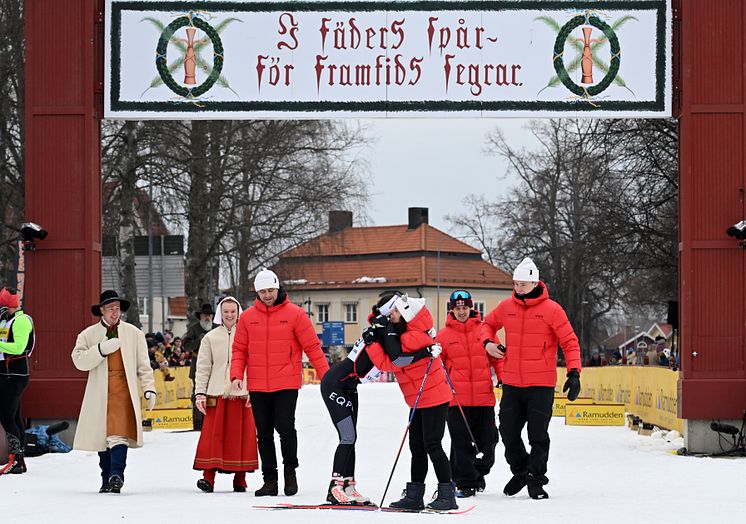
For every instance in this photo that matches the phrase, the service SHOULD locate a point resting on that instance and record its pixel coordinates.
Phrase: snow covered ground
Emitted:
(597, 475)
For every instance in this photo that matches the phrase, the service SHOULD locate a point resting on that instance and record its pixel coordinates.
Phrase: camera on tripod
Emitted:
(738, 437)
(30, 232)
(738, 231)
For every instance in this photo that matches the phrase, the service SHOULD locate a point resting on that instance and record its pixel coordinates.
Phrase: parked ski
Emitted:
(369, 507)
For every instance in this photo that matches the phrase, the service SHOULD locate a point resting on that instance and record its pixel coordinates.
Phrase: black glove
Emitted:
(381, 321)
(369, 336)
(572, 384)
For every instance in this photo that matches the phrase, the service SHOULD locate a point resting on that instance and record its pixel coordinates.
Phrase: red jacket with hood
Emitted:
(533, 329)
(436, 390)
(269, 343)
(466, 361)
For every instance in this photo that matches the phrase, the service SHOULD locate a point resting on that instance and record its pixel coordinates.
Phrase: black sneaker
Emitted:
(105, 488)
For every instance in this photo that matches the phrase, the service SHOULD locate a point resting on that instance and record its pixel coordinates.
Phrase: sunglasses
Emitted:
(460, 294)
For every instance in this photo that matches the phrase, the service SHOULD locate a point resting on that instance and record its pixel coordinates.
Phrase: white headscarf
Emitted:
(218, 315)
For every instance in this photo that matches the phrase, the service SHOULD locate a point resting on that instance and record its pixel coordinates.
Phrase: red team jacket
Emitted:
(466, 361)
(436, 390)
(533, 329)
(269, 343)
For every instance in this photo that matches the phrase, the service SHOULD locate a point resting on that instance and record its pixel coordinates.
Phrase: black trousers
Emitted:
(342, 404)
(275, 412)
(425, 440)
(518, 407)
(468, 470)
(11, 391)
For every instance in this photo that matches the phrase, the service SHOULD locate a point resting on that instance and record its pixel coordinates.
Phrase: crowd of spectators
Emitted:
(166, 352)
(643, 354)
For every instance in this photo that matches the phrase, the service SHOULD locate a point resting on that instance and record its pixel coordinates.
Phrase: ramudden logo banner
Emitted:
(595, 415)
(305, 59)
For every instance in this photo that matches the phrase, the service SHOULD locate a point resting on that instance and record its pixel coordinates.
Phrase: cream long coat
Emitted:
(212, 376)
(91, 432)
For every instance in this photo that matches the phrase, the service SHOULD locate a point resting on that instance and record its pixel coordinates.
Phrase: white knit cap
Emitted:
(218, 314)
(266, 279)
(526, 271)
(409, 307)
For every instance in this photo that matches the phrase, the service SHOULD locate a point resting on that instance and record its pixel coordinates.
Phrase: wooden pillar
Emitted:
(712, 62)
(63, 192)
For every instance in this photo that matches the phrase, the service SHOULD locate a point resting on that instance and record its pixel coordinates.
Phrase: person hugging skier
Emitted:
(426, 392)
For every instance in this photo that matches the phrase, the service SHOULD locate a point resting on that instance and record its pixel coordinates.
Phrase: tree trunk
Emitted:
(197, 267)
(127, 194)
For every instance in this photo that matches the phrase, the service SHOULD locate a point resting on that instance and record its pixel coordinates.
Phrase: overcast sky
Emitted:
(435, 163)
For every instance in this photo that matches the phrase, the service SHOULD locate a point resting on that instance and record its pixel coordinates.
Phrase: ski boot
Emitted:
(336, 494)
(350, 488)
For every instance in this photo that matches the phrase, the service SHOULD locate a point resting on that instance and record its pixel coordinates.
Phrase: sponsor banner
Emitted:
(595, 415)
(648, 392)
(561, 403)
(175, 393)
(169, 418)
(310, 376)
(322, 59)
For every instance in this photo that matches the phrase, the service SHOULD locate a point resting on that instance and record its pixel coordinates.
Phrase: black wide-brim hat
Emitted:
(205, 310)
(107, 297)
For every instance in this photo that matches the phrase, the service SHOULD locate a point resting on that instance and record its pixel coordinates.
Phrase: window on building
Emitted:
(479, 306)
(351, 312)
(142, 305)
(322, 313)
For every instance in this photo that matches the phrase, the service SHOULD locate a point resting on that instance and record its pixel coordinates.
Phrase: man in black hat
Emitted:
(113, 353)
(191, 342)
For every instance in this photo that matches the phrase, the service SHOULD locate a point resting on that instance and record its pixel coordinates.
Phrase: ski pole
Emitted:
(463, 415)
(406, 431)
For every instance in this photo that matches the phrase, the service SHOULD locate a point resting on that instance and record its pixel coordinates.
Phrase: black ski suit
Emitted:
(339, 391)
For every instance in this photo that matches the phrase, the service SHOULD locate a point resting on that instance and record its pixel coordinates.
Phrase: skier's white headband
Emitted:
(388, 306)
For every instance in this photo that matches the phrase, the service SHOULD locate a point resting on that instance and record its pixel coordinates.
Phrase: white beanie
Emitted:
(526, 271)
(409, 307)
(266, 279)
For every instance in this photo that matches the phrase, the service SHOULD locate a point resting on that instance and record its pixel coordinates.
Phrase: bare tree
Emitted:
(593, 208)
(12, 51)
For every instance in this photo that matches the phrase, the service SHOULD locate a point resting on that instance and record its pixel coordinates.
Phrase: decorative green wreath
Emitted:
(559, 48)
(162, 65)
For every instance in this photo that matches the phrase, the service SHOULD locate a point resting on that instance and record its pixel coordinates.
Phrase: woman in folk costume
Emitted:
(227, 443)
(115, 355)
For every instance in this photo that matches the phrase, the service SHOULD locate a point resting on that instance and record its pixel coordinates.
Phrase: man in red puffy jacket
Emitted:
(469, 368)
(270, 339)
(534, 326)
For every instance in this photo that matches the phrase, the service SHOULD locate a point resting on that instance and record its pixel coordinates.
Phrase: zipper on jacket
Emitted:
(266, 348)
(523, 338)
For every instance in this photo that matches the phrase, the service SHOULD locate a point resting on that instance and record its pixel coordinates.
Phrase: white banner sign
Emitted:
(241, 59)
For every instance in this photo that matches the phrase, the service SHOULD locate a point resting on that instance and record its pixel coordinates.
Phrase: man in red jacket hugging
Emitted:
(270, 339)
(470, 370)
(534, 326)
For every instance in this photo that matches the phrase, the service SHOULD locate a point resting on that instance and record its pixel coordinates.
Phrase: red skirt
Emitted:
(228, 439)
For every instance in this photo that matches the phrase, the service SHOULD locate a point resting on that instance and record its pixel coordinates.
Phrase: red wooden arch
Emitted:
(63, 194)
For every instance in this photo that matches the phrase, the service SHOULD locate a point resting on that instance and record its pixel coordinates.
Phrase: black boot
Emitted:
(269, 488)
(516, 484)
(291, 481)
(445, 497)
(535, 487)
(104, 462)
(118, 456)
(205, 485)
(413, 497)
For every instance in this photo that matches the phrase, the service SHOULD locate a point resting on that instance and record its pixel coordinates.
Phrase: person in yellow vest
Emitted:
(16, 345)
(115, 355)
